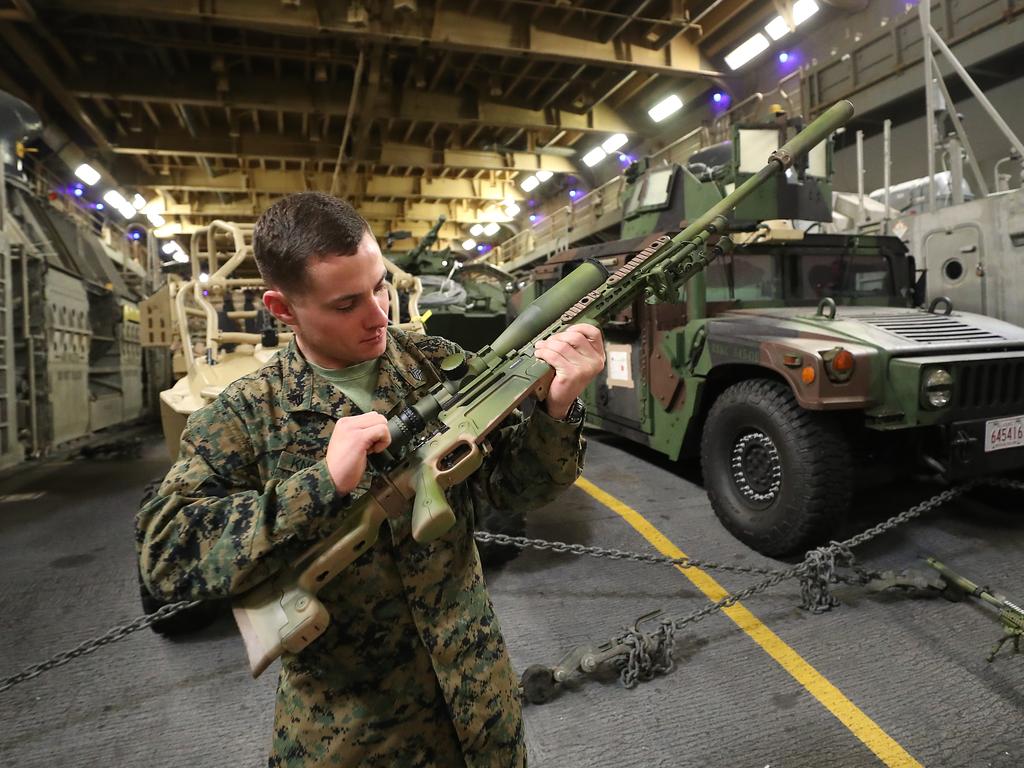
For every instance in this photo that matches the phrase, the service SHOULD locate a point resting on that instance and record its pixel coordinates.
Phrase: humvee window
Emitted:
(845, 276)
(652, 192)
(744, 277)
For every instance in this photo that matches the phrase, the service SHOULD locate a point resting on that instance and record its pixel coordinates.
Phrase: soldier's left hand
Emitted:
(577, 355)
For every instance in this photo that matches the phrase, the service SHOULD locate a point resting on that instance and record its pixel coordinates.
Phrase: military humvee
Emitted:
(466, 301)
(798, 361)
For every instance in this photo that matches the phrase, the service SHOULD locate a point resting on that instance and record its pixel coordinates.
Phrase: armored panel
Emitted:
(131, 363)
(155, 318)
(67, 356)
(10, 449)
(106, 384)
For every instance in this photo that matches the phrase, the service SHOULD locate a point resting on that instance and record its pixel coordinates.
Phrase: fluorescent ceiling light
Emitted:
(593, 157)
(543, 176)
(168, 230)
(476, 229)
(181, 256)
(139, 202)
(170, 247)
(491, 229)
(530, 183)
(665, 107)
(115, 199)
(750, 49)
(777, 28)
(803, 10)
(156, 219)
(614, 142)
(468, 245)
(512, 209)
(87, 173)
(203, 277)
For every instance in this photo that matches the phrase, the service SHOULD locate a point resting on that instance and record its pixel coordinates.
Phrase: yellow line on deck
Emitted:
(862, 726)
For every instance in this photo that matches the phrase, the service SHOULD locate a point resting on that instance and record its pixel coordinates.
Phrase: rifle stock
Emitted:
(284, 613)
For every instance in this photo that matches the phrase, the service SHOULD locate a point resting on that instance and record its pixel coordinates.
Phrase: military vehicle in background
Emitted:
(72, 367)
(466, 302)
(799, 360)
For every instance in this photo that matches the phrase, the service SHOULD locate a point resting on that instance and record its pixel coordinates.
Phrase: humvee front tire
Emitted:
(777, 476)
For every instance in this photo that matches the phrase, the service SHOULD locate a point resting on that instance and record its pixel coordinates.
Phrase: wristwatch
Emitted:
(576, 412)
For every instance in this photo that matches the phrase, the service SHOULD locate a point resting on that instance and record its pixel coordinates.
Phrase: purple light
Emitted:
(99, 206)
(573, 193)
(480, 248)
(783, 57)
(136, 235)
(77, 191)
(718, 97)
(533, 217)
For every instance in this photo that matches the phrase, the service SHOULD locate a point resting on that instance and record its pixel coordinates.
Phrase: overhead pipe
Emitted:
(356, 79)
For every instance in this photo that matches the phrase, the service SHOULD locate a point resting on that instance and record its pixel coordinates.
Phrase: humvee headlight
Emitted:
(937, 389)
(839, 364)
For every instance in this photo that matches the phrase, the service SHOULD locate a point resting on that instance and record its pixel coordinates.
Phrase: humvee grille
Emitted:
(990, 385)
(931, 329)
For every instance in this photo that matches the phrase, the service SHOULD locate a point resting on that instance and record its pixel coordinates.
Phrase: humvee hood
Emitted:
(898, 330)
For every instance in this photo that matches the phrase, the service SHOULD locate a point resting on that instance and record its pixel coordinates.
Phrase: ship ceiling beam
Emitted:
(417, 217)
(291, 148)
(300, 96)
(729, 28)
(40, 68)
(287, 182)
(448, 29)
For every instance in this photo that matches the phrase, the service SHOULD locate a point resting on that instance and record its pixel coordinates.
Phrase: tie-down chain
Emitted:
(637, 655)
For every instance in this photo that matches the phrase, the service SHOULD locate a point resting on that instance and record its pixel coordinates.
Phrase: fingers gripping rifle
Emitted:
(283, 613)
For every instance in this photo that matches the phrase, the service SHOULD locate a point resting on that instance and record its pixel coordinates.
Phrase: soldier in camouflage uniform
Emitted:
(412, 670)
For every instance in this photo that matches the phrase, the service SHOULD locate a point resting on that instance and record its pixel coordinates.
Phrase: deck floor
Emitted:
(881, 680)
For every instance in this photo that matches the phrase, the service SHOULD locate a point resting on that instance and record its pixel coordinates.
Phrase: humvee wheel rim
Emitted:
(756, 468)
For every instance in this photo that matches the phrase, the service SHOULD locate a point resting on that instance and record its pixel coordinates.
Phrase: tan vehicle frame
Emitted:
(206, 368)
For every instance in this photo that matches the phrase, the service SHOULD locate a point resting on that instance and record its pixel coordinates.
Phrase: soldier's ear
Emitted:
(279, 306)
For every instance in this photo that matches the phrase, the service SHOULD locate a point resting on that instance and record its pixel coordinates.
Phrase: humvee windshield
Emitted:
(809, 277)
(652, 193)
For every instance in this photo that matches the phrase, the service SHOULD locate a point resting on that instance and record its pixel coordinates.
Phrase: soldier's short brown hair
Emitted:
(300, 227)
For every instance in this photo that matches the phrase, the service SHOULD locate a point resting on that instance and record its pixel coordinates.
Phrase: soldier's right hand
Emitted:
(353, 438)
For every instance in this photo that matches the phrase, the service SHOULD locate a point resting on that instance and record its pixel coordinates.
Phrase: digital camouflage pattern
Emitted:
(413, 670)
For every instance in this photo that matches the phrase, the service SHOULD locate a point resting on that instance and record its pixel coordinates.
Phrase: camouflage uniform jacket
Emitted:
(412, 670)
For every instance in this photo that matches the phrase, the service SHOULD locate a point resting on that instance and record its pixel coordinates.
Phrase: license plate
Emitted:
(1004, 433)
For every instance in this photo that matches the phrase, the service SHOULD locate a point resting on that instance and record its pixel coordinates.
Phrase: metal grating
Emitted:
(990, 384)
(932, 329)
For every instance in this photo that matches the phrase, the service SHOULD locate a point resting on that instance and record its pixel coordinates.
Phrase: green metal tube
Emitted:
(549, 306)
